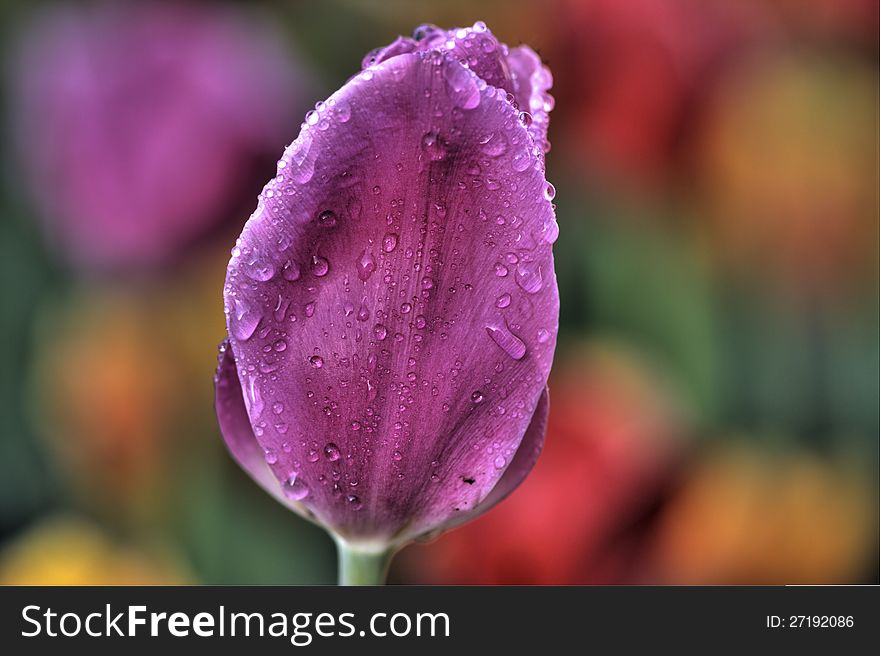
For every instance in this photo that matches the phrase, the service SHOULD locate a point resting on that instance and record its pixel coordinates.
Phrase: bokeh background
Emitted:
(715, 394)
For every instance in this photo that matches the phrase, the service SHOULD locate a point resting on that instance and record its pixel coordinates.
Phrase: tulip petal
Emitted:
(519, 71)
(392, 303)
(236, 426)
(521, 464)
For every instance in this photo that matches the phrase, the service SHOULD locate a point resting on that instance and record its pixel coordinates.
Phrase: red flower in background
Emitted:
(612, 444)
(634, 73)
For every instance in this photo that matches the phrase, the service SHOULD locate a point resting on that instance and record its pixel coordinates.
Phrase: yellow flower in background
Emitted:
(117, 389)
(744, 516)
(788, 160)
(65, 550)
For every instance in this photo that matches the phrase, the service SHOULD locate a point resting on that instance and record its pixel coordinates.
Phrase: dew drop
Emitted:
(543, 336)
(499, 462)
(462, 86)
(246, 322)
(327, 219)
(494, 145)
(551, 231)
(354, 501)
(271, 456)
(259, 271)
(380, 332)
(320, 266)
(295, 489)
(549, 191)
(343, 112)
(316, 361)
(433, 146)
(529, 277)
(500, 270)
(509, 343)
(477, 397)
(365, 265)
(291, 271)
(332, 452)
(389, 242)
(502, 301)
(521, 159)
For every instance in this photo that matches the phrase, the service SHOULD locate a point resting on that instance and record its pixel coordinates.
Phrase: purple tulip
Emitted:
(392, 304)
(135, 121)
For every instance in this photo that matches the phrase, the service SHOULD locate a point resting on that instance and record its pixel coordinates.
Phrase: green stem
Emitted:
(362, 567)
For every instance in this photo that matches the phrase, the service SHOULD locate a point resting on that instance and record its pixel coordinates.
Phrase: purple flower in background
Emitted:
(136, 121)
(392, 303)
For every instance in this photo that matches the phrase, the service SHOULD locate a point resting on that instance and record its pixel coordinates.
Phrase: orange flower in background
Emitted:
(613, 441)
(789, 170)
(65, 550)
(747, 517)
(117, 386)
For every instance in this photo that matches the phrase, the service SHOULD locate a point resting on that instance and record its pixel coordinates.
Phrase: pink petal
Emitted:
(392, 302)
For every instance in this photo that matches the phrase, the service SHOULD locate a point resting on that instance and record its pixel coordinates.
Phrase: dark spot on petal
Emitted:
(469, 480)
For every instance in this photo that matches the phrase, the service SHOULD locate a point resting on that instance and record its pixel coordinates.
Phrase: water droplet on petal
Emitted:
(291, 271)
(433, 146)
(461, 85)
(389, 242)
(380, 332)
(529, 277)
(543, 336)
(332, 452)
(295, 488)
(549, 192)
(320, 266)
(354, 502)
(500, 270)
(521, 159)
(271, 456)
(365, 265)
(477, 397)
(316, 361)
(502, 301)
(509, 343)
(259, 271)
(493, 145)
(500, 462)
(343, 112)
(327, 219)
(246, 321)
(551, 231)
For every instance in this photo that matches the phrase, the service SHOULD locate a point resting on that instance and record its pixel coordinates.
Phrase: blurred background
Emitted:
(715, 402)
